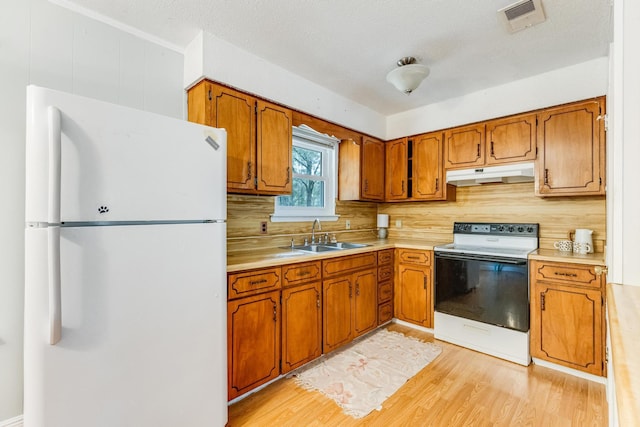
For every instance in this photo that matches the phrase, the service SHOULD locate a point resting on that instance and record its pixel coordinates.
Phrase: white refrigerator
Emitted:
(125, 267)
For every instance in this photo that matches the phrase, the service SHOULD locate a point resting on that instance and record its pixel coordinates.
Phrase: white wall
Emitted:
(623, 208)
(216, 59)
(568, 84)
(47, 45)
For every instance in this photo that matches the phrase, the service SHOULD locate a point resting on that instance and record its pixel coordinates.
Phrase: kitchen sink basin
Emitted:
(345, 245)
(326, 247)
(315, 248)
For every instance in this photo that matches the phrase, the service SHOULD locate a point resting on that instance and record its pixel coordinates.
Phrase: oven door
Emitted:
(488, 289)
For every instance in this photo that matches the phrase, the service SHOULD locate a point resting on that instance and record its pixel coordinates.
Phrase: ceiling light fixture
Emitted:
(408, 76)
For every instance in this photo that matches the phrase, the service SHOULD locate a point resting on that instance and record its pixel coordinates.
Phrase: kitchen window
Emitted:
(314, 179)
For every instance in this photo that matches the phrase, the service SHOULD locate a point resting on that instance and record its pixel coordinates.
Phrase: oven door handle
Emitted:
(475, 257)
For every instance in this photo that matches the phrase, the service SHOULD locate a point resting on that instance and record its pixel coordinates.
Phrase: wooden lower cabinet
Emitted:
(413, 290)
(301, 325)
(350, 307)
(567, 316)
(253, 341)
(385, 286)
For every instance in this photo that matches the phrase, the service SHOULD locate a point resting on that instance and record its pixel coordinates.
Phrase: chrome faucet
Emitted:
(313, 230)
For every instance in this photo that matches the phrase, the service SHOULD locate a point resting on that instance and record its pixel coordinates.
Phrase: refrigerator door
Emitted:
(119, 164)
(143, 338)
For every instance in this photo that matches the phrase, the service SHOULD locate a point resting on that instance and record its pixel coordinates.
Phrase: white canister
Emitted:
(583, 236)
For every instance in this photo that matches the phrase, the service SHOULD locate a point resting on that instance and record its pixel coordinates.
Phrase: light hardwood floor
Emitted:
(460, 388)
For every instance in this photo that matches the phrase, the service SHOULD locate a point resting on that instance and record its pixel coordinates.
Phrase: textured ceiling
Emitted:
(348, 46)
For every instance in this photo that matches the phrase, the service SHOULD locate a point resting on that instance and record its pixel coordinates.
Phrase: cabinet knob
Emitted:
(600, 270)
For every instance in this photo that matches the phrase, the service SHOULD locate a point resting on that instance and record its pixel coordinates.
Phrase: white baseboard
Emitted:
(570, 371)
(12, 422)
(412, 325)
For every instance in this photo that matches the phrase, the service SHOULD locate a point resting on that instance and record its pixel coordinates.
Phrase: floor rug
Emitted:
(361, 376)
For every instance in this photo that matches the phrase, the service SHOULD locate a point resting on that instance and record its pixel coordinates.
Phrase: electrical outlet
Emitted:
(347, 224)
(263, 227)
(398, 223)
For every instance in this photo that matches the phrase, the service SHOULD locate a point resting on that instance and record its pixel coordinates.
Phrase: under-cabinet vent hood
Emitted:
(521, 172)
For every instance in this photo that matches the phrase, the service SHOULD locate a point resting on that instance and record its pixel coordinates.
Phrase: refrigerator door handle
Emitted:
(55, 147)
(55, 295)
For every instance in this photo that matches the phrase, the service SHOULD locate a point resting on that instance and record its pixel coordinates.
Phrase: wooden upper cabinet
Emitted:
(259, 141)
(512, 139)
(274, 147)
(464, 147)
(372, 169)
(428, 179)
(235, 112)
(571, 158)
(396, 170)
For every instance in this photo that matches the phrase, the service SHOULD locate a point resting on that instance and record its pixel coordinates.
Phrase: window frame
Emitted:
(305, 137)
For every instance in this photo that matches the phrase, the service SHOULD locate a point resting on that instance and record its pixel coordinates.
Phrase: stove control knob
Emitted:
(511, 228)
(529, 229)
(520, 229)
(501, 228)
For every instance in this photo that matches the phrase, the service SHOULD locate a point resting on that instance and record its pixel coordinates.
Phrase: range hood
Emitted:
(521, 172)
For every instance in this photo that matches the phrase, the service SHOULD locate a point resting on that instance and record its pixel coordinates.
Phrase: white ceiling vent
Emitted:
(521, 15)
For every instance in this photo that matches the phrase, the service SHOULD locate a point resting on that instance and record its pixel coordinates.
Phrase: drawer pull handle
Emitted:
(304, 273)
(557, 273)
(258, 282)
(542, 301)
(413, 257)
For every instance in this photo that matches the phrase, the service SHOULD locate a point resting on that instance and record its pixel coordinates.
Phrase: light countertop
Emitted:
(558, 256)
(262, 258)
(623, 305)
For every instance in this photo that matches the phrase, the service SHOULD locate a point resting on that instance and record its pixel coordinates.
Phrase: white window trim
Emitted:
(305, 136)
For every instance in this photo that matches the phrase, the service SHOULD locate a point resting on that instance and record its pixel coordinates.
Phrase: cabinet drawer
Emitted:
(570, 274)
(412, 256)
(254, 282)
(346, 264)
(296, 274)
(385, 257)
(385, 292)
(385, 312)
(385, 272)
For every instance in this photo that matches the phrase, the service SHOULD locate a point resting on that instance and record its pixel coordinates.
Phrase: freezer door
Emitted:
(143, 339)
(119, 164)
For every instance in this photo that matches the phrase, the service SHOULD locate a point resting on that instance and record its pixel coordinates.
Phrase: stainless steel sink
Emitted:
(315, 248)
(345, 245)
(325, 247)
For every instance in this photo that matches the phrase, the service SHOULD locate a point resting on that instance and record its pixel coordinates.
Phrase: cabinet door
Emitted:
(253, 342)
(301, 325)
(365, 301)
(512, 139)
(336, 312)
(274, 145)
(412, 295)
(372, 169)
(396, 172)
(235, 112)
(428, 172)
(566, 326)
(464, 147)
(349, 158)
(571, 150)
